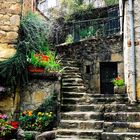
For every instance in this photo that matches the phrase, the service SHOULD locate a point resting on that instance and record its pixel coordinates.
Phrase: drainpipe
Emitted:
(132, 71)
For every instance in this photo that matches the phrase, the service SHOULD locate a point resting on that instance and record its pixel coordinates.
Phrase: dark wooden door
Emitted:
(108, 71)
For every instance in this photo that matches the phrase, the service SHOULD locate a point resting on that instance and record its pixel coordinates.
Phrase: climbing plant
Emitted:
(32, 36)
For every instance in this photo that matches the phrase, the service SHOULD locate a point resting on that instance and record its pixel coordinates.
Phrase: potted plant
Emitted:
(44, 63)
(119, 86)
(7, 128)
(38, 62)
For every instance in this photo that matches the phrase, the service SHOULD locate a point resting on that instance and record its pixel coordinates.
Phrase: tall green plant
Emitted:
(32, 36)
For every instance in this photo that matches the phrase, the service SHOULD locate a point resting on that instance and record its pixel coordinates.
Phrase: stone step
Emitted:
(90, 134)
(107, 100)
(72, 79)
(73, 138)
(81, 116)
(88, 100)
(83, 108)
(73, 88)
(75, 83)
(97, 107)
(71, 71)
(121, 126)
(65, 137)
(73, 94)
(71, 101)
(71, 75)
(120, 136)
(122, 116)
(121, 107)
(77, 124)
(107, 95)
(72, 68)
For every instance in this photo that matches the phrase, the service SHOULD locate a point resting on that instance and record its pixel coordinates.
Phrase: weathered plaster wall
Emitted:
(92, 52)
(127, 48)
(10, 11)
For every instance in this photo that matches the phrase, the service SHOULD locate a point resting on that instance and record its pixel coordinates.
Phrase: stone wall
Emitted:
(127, 48)
(91, 53)
(10, 11)
(37, 91)
(32, 96)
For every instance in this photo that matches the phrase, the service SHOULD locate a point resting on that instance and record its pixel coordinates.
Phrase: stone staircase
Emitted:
(86, 116)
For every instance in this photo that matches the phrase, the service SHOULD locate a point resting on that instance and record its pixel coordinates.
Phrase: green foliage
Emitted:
(29, 136)
(86, 12)
(32, 37)
(71, 6)
(69, 39)
(111, 2)
(88, 32)
(53, 65)
(118, 81)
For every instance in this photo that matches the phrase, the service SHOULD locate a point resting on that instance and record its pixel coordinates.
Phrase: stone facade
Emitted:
(10, 12)
(91, 53)
(127, 48)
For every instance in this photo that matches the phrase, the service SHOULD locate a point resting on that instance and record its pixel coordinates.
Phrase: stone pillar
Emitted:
(127, 45)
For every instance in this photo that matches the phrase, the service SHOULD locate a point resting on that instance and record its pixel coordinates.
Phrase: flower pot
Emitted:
(33, 69)
(119, 89)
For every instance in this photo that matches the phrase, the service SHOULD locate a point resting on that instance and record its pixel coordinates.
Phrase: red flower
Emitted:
(15, 124)
(42, 57)
(118, 78)
(45, 58)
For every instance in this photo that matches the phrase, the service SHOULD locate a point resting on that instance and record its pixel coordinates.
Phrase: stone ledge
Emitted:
(49, 76)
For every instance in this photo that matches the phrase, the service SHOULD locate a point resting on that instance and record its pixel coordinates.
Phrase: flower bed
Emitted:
(8, 128)
(30, 121)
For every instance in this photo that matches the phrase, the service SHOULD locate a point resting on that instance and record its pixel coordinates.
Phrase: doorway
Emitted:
(108, 71)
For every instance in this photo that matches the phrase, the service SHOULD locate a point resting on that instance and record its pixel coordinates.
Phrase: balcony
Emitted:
(98, 28)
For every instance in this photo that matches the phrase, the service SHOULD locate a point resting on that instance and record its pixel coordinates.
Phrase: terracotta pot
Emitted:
(33, 69)
(119, 89)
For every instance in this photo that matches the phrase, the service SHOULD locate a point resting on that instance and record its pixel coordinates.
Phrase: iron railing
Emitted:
(102, 27)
